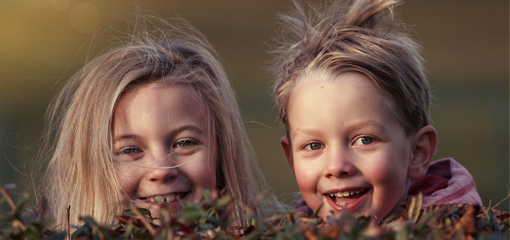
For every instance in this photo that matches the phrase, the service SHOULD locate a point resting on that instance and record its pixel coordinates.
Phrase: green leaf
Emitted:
(82, 231)
(205, 226)
(143, 211)
(316, 212)
(206, 193)
(58, 236)
(88, 221)
(213, 220)
(223, 201)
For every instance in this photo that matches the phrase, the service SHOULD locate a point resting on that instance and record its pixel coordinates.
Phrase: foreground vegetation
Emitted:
(207, 220)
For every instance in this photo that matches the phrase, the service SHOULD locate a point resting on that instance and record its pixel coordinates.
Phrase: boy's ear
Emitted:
(287, 148)
(424, 147)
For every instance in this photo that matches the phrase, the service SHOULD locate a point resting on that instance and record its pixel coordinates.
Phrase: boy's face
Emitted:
(346, 147)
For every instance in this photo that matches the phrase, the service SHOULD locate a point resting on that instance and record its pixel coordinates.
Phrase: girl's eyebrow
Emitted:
(174, 132)
(190, 127)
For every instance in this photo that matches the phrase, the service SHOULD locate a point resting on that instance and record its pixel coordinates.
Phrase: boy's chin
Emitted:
(395, 213)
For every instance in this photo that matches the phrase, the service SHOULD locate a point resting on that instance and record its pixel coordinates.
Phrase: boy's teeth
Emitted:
(345, 193)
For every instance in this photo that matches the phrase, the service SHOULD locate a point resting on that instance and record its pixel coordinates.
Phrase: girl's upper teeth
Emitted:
(162, 199)
(345, 193)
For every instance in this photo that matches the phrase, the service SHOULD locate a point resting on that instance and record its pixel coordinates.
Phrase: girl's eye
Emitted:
(185, 143)
(364, 141)
(314, 146)
(185, 146)
(129, 154)
(128, 151)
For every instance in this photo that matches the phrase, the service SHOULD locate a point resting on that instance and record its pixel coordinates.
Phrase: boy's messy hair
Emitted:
(79, 146)
(362, 37)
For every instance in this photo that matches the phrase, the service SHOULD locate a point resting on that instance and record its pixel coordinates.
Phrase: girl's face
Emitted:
(347, 149)
(163, 145)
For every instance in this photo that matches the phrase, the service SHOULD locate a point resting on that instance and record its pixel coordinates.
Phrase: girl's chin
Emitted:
(157, 203)
(156, 209)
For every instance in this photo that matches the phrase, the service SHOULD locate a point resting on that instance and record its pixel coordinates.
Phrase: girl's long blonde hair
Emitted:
(78, 140)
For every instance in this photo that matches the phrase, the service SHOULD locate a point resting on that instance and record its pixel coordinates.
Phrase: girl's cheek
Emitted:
(128, 178)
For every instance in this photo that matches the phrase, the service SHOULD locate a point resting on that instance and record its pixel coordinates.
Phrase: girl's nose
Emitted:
(162, 169)
(339, 164)
(162, 174)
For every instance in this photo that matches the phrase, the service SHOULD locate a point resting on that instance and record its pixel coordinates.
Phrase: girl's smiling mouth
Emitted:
(167, 198)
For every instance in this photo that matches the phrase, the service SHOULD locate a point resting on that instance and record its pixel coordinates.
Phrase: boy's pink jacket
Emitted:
(446, 181)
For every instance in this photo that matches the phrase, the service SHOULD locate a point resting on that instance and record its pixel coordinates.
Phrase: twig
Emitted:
(8, 198)
(493, 208)
(504, 199)
(67, 218)
(143, 219)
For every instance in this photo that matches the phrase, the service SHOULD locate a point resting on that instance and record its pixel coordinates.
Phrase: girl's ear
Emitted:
(424, 146)
(287, 148)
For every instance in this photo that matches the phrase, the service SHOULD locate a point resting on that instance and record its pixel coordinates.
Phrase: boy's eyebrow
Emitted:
(362, 124)
(308, 131)
(180, 129)
(351, 127)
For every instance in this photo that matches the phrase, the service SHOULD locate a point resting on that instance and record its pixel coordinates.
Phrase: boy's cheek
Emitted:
(307, 182)
(287, 149)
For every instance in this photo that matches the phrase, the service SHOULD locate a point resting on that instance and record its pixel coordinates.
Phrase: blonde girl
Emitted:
(101, 151)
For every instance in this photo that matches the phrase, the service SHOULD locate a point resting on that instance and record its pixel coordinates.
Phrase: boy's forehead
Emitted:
(314, 75)
(310, 92)
(328, 76)
(327, 79)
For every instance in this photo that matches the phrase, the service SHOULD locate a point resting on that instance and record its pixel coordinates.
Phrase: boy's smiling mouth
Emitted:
(344, 199)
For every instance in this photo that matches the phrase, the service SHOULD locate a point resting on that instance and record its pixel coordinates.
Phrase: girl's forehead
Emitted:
(182, 90)
(155, 93)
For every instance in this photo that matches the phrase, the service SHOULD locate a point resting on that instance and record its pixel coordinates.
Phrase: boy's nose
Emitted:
(339, 164)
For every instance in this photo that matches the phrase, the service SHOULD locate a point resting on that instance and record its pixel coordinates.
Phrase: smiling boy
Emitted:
(353, 96)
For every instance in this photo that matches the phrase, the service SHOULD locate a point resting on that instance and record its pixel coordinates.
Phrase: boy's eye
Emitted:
(363, 141)
(314, 146)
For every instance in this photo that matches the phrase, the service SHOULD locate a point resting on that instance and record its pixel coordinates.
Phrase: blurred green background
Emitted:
(44, 42)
